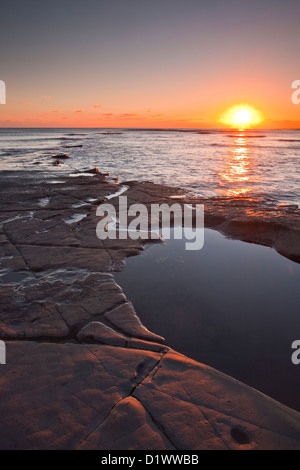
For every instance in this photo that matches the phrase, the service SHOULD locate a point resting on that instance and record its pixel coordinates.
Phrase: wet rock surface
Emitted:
(82, 371)
(256, 221)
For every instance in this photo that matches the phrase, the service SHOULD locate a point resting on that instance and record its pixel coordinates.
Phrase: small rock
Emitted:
(63, 155)
(97, 332)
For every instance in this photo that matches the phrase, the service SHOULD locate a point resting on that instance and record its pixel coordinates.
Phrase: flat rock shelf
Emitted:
(82, 371)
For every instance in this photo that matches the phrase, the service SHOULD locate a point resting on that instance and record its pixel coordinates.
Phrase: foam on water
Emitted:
(253, 163)
(75, 218)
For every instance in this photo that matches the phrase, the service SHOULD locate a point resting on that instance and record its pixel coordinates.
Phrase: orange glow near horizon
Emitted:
(242, 116)
(53, 113)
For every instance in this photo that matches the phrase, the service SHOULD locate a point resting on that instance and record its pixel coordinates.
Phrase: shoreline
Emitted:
(71, 332)
(260, 170)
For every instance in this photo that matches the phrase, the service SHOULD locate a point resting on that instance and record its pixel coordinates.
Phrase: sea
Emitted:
(253, 163)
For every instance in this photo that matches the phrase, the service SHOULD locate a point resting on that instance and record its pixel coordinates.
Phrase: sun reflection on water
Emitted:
(237, 176)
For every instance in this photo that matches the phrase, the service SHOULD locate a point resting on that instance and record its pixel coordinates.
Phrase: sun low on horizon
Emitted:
(242, 116)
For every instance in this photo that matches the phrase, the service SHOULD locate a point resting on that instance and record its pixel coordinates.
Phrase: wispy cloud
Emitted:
(128, 115)
(96, 106)
(50, 112)
(26, 103)
(46, 97)
(121, 115)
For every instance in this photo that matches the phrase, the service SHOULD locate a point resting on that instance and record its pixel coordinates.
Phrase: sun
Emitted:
(242, 116)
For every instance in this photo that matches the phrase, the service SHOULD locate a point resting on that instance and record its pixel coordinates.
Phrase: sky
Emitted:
(159, 63)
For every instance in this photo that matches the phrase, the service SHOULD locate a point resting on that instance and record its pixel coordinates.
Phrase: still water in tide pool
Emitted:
(231, 305)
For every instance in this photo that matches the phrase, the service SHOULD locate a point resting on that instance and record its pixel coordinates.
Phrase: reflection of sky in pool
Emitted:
(231, 305)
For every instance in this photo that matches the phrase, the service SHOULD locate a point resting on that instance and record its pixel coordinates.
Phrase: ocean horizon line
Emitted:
(184, 129)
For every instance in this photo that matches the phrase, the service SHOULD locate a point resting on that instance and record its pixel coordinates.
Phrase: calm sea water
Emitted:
(264, 163)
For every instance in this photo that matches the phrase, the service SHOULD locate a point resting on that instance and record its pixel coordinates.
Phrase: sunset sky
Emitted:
(136, 63)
